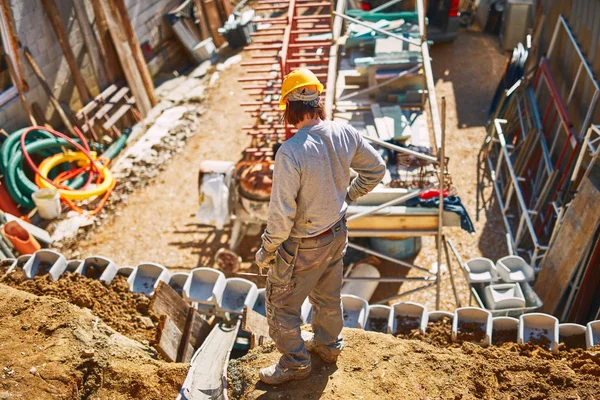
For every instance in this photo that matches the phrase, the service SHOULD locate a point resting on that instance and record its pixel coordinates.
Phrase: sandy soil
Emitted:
(380, 366)
(122, 310)
(50, 349)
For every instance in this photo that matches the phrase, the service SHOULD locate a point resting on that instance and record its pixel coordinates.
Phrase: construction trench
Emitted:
(157, 296)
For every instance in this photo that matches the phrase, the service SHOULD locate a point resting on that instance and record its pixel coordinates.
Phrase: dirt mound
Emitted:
(120, 309)
(375, 365)
(50, 349)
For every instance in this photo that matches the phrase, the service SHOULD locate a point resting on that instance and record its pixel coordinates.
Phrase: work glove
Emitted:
(264, 258)
(348, 200)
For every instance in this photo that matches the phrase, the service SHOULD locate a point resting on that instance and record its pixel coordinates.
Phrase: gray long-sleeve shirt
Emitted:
(311, 177)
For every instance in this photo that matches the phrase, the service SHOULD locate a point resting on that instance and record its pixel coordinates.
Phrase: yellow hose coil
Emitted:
(46, 166)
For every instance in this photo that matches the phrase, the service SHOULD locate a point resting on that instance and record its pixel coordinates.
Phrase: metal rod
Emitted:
(384, 6)
(390, 203)
(389, 280)
(442, 172)
(390, 233)
(404, 150)
(376, 29)
(388, 258)
(456, 298)
(385, 83)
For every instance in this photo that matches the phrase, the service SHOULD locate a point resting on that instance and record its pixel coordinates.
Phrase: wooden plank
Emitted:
(167, 302)
(125, 54)
(118, 114)
(63, 41)
(201, 20)
(98, 100)
(90, 42)
(136, 49)
(53, 100)
(195, 332)
(110, 60)
(381, 124)
(253, 322)
(168, 338)
(579, 224)
(206, 374)
(214, 21)
(111, 103)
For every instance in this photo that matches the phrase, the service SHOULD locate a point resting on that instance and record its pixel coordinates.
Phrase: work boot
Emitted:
(276, 374)
(326, 354)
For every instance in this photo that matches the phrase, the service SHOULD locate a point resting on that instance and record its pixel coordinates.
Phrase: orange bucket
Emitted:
(22, 240)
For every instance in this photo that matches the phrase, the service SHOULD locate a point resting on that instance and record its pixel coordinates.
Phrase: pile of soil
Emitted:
(50, 349)
(122, 310)
(501, 336)
(380, 366)
(470, 332)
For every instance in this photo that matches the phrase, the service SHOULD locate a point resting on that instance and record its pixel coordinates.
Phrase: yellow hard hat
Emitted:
(296, 79)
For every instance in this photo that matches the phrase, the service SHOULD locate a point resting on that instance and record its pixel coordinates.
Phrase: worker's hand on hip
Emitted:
(264, 258)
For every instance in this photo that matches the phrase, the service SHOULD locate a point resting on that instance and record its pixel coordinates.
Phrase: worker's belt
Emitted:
(334, 229)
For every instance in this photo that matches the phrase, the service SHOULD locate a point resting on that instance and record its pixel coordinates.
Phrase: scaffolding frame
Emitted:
(432, 279)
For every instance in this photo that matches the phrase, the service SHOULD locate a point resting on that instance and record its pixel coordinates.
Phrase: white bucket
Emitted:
(47, 202)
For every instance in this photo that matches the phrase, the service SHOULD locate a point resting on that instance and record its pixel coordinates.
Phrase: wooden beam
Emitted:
(136, 49)
(109, 58)
(214, 21)
(253, 322)
(53, 100)
(90, 42)
(167, 302)
(125, 54)
(18, 84)
(168, 338)
(63, 41)
(201, 19)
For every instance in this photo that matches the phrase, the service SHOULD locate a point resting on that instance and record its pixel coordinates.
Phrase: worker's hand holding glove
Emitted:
(264, 258)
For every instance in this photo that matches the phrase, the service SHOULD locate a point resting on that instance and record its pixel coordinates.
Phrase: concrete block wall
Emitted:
(33, 29)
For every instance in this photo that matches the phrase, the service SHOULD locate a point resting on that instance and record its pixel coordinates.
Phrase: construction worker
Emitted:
(306, 235)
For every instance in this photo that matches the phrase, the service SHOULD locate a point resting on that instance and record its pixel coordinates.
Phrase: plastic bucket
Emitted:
(47, 202)
(19, 237)
(399, 249)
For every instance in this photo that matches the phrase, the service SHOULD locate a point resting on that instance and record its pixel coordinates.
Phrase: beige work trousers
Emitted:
(310, 267)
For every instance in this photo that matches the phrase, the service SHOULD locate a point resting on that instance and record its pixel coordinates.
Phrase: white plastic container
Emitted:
(514, 269)
(105, 269)
(471, 315)
(363, 289)
(505, 324)
(238, 293)
(47, 202)
(204, 50)
(355, 311)
(146, 276)
(19, 262)
(592, 334)
(72, 265)
(204, 286)
(260, 305)
(435, 316)
(504, 295)
(567, 330)
(535, 325)
(481, 269)
(177, 281)
(45, 261)
(379, 319)
(125, 271)
(408, 309)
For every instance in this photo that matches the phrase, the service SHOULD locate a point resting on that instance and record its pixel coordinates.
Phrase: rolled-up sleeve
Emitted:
(282, 207)
(369, 166)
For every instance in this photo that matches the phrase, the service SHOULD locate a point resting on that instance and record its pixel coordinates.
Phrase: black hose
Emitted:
(514, 71)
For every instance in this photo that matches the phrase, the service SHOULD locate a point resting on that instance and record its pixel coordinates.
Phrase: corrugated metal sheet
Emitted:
(583, 17)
